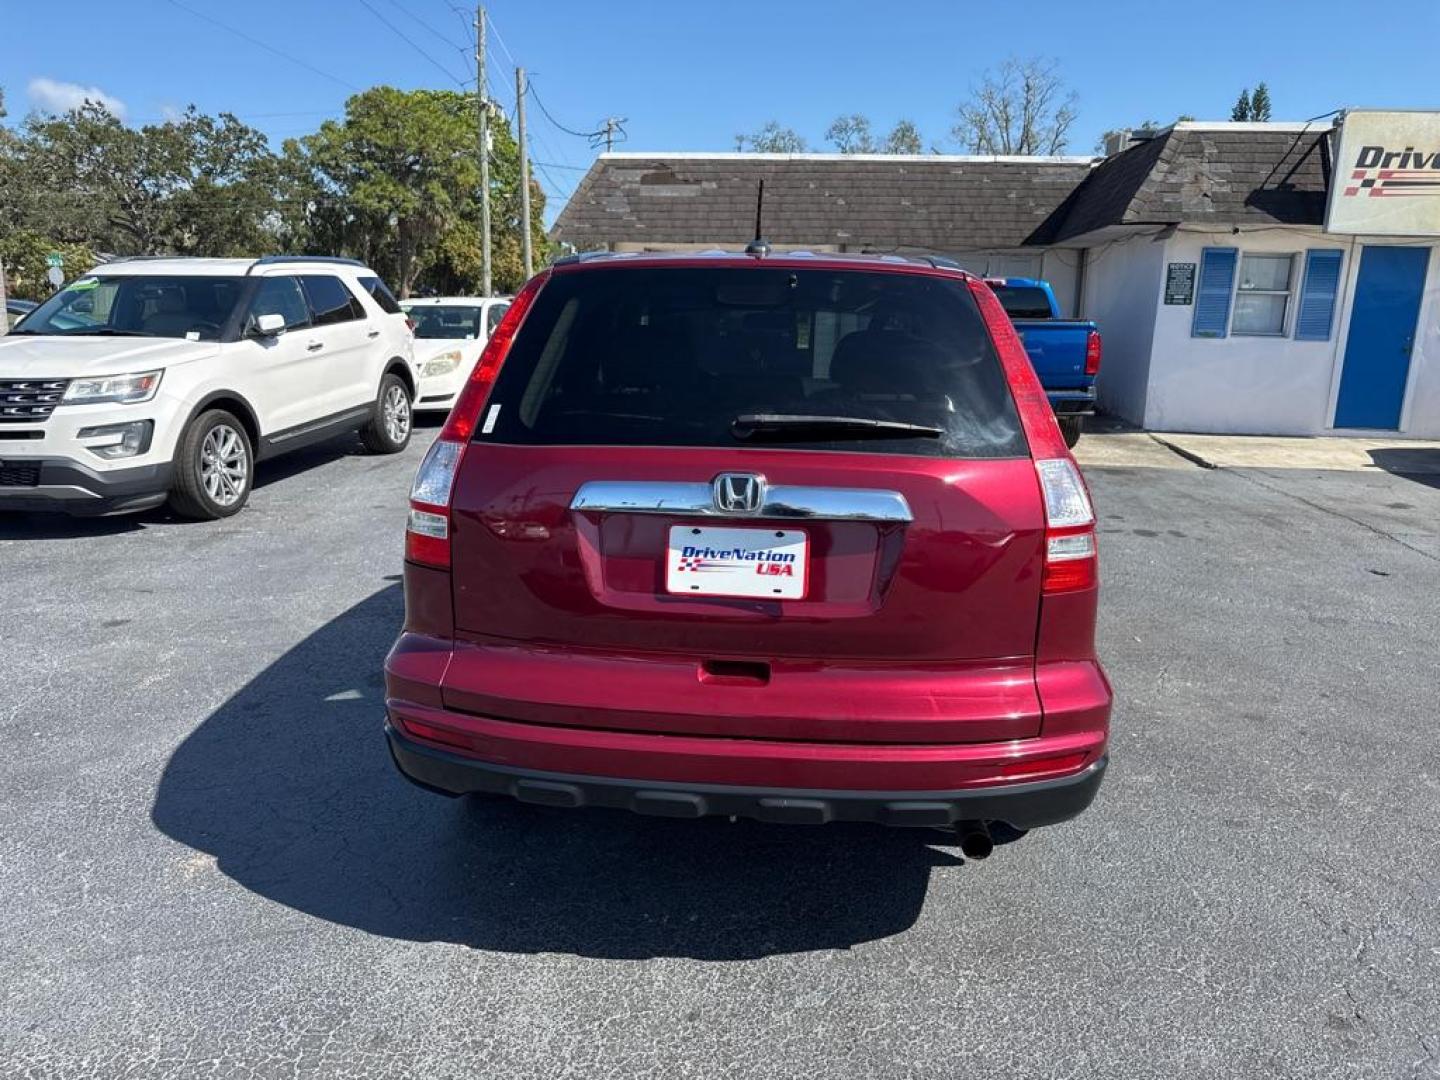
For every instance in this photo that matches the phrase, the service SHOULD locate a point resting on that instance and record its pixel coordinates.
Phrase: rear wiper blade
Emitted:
(751, 425)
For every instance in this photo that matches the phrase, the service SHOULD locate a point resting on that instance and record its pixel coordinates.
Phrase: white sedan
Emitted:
(450, 332)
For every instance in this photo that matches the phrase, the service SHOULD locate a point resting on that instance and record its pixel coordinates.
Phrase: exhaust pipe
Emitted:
(975, 839)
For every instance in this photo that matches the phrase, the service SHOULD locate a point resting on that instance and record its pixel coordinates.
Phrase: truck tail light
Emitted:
(1070, 558)
(427, 531)
(1092, 353)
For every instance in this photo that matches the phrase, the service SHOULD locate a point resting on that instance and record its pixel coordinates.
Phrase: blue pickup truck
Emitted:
(1064, 352)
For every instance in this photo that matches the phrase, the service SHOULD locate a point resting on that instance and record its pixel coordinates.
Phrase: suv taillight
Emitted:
(1070, 561)
(427, 532)
(1092, 353)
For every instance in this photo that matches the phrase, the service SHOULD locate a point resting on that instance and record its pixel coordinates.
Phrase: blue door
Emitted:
(1382, 336)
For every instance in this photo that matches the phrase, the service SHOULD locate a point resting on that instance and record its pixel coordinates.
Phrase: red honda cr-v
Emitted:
(791, 537)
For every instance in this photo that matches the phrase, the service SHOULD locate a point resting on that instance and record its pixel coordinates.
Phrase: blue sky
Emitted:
(690, 76)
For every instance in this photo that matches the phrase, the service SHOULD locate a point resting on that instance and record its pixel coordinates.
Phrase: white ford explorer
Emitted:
(150, 379)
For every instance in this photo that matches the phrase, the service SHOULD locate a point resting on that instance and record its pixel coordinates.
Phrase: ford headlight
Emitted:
(443, 364)
(126, 389)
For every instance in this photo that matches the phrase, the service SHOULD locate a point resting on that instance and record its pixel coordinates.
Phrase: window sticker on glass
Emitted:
(490, 418)
(81, 284)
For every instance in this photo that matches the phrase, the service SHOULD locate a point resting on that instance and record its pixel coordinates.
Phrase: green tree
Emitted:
(397, 184)
(772, 139)
(24, 255)
(195, 185)
(1260, 103)
(226, 204)
(851, 134)
(396, 170)
(904, 138)
(458, 268)
(1243, 110)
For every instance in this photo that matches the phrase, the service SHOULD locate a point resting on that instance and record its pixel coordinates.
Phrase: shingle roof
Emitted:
(1192, 173)
(1226, 174)
(882, 203)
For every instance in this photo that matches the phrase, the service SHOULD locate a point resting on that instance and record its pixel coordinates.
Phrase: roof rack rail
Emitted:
(942, 262)
(581, 256)
(271, 260)
(139, 258)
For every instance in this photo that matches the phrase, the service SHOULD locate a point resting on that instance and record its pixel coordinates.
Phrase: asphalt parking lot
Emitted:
(209, 867)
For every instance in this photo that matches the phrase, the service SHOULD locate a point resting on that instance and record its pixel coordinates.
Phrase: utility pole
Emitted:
(527, 257)
(483, 104)
(612, 125)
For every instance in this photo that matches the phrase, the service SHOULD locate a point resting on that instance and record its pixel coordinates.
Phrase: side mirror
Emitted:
(269, 325)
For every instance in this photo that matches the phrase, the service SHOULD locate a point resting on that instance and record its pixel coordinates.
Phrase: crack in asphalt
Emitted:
(1253, 479)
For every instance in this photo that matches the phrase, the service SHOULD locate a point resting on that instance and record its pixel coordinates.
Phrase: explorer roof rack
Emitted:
(271, 260)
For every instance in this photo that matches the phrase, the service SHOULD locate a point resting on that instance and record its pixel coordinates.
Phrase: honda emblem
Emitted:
(739, 493)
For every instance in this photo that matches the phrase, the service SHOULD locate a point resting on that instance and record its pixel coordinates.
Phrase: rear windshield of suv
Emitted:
(819, 359)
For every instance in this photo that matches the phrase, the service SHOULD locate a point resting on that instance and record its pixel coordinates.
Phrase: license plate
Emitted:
(769, 564)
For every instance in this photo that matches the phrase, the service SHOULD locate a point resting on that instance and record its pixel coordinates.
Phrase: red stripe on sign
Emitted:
(1358, 174)
(1352, 191)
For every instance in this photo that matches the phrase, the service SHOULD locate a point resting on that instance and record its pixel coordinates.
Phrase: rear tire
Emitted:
(214, 468)
(388, 429)
(1070, 429)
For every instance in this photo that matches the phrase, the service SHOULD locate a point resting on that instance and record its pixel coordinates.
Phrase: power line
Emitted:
(466, 18)
(424, 25)
(266, 46)
(501, 39)
(562, 127)
(410, 41)
(558, 188)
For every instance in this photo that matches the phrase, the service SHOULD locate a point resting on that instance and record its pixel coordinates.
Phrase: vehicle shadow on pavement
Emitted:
(1421, 464)
(290, 787)
(27, 525)
(21, 525)
(276, 469)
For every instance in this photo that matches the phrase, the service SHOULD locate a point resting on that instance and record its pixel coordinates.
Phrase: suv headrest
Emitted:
(877, 361)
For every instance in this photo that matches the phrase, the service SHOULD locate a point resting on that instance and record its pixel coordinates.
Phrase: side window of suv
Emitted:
(382, 296)
(330, 301)
(281, 296)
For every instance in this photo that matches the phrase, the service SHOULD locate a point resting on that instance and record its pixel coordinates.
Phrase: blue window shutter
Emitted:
(1317, 296)
(1212, 296)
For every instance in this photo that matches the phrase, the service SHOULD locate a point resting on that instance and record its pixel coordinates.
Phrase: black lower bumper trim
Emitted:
(1025, 805)
(67, 486)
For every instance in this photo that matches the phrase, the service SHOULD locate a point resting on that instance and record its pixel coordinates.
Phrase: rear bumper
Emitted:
(65, 485)
(1072, 402)
(1023, 805)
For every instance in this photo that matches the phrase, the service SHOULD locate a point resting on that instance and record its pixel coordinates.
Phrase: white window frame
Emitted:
(1288, 293)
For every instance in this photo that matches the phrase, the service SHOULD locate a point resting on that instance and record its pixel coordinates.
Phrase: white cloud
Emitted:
(170, 114)
(54, 96)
